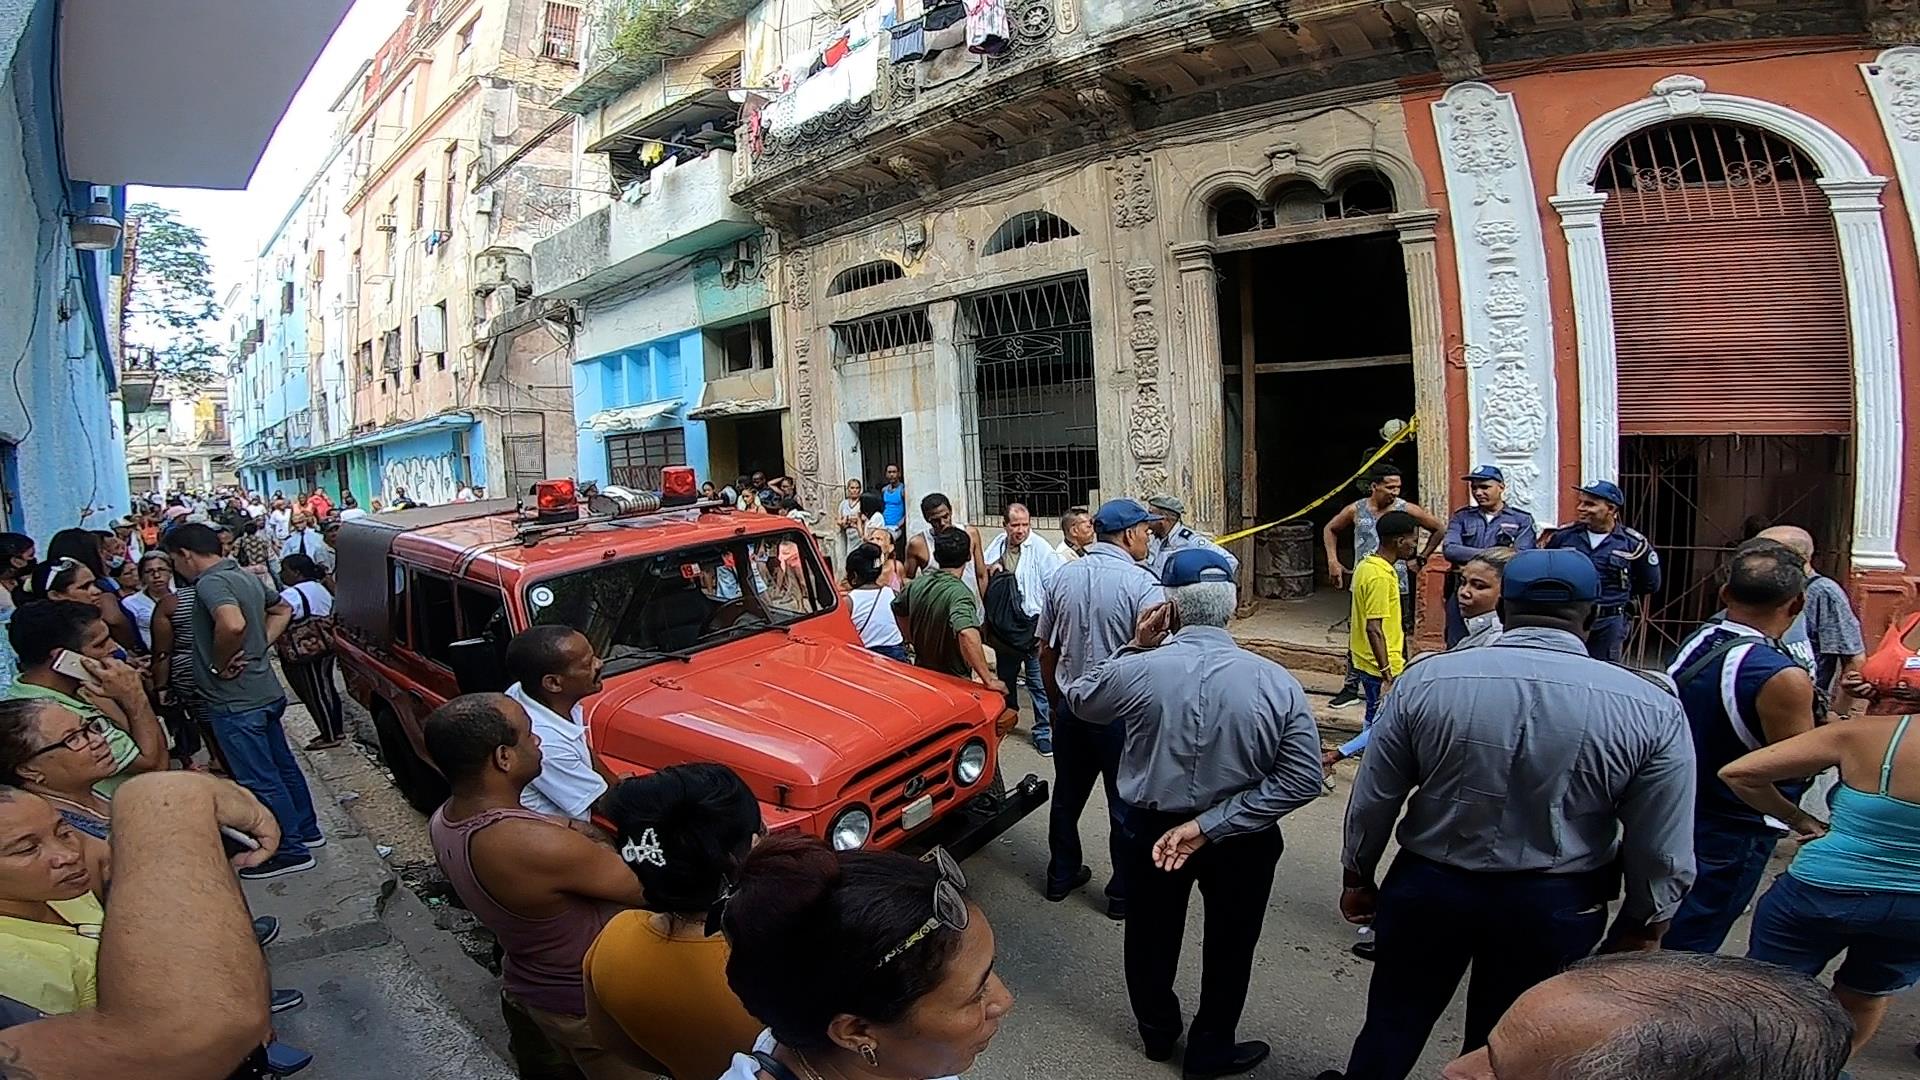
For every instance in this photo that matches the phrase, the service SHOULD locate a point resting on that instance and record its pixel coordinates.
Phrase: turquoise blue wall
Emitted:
(58, 439)
(672, 367)
(431, 465)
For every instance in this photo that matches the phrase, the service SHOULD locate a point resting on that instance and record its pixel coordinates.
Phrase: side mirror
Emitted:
(479, 665)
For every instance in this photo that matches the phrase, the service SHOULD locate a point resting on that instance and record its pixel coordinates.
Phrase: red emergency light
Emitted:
(556, 500)
(678, 486)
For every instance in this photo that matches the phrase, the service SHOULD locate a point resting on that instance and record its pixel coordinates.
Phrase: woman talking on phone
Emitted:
(66, 657)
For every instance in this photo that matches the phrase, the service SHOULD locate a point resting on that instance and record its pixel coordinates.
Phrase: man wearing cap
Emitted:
(1219, 744)
(1532, 776)
(1628, 566)
(1093, 605)
(1489, 522)
(1171, 534)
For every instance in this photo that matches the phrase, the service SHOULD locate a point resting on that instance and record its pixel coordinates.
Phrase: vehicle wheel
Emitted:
(418, 781)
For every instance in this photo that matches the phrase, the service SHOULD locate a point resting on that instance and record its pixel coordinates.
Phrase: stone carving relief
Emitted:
(1503, 283)
(806, 443)
(1895, 79)
(1035, 22)
(1066, 16)
(1449, 37)
(1107, 106)
(1134, 203)
(799, 287)
(1681, 93)
(1150, 419)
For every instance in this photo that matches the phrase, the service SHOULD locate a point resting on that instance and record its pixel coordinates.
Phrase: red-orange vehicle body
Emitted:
(780, 690)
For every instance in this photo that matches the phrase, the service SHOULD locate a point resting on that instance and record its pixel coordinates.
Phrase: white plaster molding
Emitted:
(1854, 195)
(1511, 399)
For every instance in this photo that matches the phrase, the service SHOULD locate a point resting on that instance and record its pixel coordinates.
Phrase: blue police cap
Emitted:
(1191, 566)
(1605, 489)
(1550, 575)
(1487, 472)
(1119, 515)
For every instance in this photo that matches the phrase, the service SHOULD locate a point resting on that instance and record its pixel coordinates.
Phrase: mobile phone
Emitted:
(67, 662)
(236, 841)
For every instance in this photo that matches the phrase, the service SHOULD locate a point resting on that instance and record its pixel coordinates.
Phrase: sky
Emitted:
(238, 223)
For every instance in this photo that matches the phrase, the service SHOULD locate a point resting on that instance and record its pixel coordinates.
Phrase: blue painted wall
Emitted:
(669, 368)
(67, 452)
(431, 465)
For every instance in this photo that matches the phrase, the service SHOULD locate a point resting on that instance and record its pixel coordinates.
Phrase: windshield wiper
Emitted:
(630, 659)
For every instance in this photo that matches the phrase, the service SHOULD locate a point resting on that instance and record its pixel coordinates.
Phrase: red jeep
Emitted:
(724, 639)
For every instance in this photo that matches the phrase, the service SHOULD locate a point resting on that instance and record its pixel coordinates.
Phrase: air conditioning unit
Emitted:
(386, 223)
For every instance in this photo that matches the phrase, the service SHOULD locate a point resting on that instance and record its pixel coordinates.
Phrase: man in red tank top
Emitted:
(542, 886)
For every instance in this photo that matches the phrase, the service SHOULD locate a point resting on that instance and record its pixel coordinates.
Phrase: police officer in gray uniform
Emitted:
(1533, 778)
(1171, 534)
(1629, 568)
(1219, 745)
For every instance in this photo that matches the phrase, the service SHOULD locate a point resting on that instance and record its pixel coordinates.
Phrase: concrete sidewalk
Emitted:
(381, 982)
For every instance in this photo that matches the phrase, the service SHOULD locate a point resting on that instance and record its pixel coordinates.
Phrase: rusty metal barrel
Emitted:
(1283, 569)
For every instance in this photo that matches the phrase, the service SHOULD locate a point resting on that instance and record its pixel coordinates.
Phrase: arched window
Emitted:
(865, 276)
(1296, 202)
(1238, 212)
(1026, 229)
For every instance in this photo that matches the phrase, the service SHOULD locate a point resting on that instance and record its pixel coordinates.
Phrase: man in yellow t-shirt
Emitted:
(1377, 645)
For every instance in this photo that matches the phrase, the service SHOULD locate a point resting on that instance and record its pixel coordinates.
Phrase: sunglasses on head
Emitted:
(949, 905)
(56, 568)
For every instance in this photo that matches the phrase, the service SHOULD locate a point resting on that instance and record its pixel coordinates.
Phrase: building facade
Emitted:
(181, 440)
(1136, 247)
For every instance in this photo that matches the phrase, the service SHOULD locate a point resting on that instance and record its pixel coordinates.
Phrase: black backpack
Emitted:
(1006, 624)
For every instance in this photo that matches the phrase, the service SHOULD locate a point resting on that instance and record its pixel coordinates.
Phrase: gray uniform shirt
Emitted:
(1092, 605)
(1530, 755)
(225, 585)
(1211, 730)
(1182, 536)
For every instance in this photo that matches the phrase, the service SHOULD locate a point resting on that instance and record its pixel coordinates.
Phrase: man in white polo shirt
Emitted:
(554, 668)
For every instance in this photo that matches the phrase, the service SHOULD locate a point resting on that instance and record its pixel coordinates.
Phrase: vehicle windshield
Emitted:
(676, 603)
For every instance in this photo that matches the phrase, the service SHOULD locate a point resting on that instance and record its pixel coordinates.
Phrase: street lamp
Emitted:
(97, 229)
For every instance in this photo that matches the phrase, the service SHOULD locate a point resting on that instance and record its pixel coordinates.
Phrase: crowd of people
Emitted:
(143, 651)
(1535, 786)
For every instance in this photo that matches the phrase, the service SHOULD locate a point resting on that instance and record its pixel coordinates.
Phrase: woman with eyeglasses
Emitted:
(58, 755)
(156, 584)
(656, 979)
(861, 963)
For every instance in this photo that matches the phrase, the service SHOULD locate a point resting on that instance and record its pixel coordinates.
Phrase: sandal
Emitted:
(321, 742)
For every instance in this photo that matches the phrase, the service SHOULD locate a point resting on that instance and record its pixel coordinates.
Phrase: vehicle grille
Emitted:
(929, 774)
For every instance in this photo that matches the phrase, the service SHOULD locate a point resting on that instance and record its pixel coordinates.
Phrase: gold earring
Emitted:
(867, 1054)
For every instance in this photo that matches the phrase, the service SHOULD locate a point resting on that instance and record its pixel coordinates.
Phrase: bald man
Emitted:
(1826, 638)
(1666, 1016)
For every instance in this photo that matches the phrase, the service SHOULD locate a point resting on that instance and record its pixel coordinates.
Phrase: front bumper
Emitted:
(976, 823)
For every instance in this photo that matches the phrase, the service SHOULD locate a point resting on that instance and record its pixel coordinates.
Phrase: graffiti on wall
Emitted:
(429, 479)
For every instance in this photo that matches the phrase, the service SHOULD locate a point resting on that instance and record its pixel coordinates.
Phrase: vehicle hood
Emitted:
(794, 712)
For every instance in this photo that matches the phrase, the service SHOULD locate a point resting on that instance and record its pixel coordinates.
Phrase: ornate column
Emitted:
(1503, 304)
(1197, 387)
(1878, 426)
(1426, 315)
(1599, 381)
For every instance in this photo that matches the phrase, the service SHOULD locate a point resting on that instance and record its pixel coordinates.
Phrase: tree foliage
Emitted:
(170, 308)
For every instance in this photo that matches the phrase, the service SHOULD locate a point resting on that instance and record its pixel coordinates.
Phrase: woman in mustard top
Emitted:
(656, 979)
(49, 916)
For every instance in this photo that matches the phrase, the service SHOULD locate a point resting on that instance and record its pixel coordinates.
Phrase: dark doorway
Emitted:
(1698, 496)
(880, 446)
(1332, 345)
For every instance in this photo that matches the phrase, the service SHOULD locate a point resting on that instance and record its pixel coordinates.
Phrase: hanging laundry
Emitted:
(652, 153)
(836, 52)
(987, 31)
(946, 25)
(909, 42)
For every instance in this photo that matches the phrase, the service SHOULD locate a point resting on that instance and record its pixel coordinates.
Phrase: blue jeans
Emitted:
(1370, 686)
(1804, 926)
(892, 652)
(256, 749)
(1012, 668)
(1433, 922)
(1728, 865)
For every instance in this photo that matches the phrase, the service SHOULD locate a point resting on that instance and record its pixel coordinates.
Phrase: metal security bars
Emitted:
(886, 334)
(635, 460)
(865, 276)
(1691, 170)
(1027, 409)
(1023, 230)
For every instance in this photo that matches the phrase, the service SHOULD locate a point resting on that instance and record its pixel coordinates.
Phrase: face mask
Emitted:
(1477, 623)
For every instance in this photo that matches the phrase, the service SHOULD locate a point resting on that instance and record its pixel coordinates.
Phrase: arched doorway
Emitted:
(1732, 352)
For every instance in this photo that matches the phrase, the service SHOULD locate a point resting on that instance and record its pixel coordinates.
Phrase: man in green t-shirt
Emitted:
(940, 617)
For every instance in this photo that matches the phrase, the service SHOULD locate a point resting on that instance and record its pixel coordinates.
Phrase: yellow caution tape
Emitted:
(1399, 437)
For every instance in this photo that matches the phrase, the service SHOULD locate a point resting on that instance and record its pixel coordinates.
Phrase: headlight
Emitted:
(851, 830)
(971, 764)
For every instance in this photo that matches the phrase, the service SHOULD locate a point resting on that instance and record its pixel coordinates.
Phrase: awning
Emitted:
(632, 417)
(379, 436)
(721, 410)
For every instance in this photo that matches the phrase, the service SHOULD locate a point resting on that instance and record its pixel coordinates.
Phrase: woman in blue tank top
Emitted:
(1855, 886)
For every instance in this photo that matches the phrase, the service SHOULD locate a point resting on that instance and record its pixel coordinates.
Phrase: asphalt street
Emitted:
(1062, 961)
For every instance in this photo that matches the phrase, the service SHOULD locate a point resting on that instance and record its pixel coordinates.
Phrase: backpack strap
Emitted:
(1708, 658)
(772, 1066)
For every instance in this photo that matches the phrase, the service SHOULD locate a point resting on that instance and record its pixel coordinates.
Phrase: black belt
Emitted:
(1608, 611)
